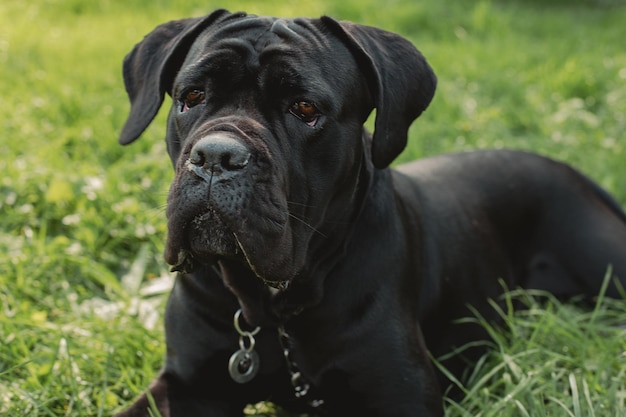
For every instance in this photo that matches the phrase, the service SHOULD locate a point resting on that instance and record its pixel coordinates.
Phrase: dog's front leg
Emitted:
(168, 397)
(200, 338)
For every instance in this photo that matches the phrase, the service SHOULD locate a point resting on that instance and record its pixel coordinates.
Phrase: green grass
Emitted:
(82, 219)
(550, 359)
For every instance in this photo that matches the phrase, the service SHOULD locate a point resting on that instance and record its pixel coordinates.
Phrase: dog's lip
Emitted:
(186, 264)
(276, 284)
(187, 259)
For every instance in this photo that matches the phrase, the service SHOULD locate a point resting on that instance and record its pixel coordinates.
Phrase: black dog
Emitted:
(347, 273)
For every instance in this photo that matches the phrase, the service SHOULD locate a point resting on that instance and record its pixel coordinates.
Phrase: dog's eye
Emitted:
(191, 99)
(305, 111)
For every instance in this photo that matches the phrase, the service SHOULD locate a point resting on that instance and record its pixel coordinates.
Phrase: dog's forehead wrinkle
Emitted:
(260, 33)
(249, 25)
(248, 30)
(286, 29)
(258, 46)
(303, 31)
(212, 64)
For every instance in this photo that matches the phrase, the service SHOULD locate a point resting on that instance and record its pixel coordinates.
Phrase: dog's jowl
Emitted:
(309, 273)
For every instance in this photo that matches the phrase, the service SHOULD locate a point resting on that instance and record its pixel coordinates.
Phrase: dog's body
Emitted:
(283, 207)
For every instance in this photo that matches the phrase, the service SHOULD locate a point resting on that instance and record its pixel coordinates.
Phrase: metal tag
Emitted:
(243, 365)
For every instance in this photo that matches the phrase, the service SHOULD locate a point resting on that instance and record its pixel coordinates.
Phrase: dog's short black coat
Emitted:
(283, 206)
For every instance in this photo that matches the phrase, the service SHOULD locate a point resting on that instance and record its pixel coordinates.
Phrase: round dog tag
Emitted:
(243, 366)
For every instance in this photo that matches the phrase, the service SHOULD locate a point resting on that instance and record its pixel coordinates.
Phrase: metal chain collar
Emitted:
(244, 363)
(301, 386)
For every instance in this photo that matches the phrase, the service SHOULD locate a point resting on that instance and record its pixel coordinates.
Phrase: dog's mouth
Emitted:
(207, 240)
(185, 264)
(199, 240)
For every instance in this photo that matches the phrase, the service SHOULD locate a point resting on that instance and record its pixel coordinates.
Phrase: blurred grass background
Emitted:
(82, 219)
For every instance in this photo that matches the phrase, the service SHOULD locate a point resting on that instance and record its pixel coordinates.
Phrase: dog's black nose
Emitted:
(218, 153)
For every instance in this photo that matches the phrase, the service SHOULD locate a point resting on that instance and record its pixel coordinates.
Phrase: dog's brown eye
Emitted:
(192, 98)
(305, 111)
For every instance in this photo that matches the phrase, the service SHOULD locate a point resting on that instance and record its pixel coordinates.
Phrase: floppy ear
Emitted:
(401, 81)
(150, 68)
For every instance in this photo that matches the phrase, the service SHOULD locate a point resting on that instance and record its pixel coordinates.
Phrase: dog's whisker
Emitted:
(293, 216)
(293, 203)
(161, 208)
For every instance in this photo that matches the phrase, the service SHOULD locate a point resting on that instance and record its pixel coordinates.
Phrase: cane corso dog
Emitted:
(309, 273)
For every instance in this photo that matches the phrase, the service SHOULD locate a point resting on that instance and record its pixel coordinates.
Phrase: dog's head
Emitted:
(266, 131)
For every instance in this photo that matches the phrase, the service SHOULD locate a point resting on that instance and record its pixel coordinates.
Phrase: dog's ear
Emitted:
(401, 81)
(150, 68)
